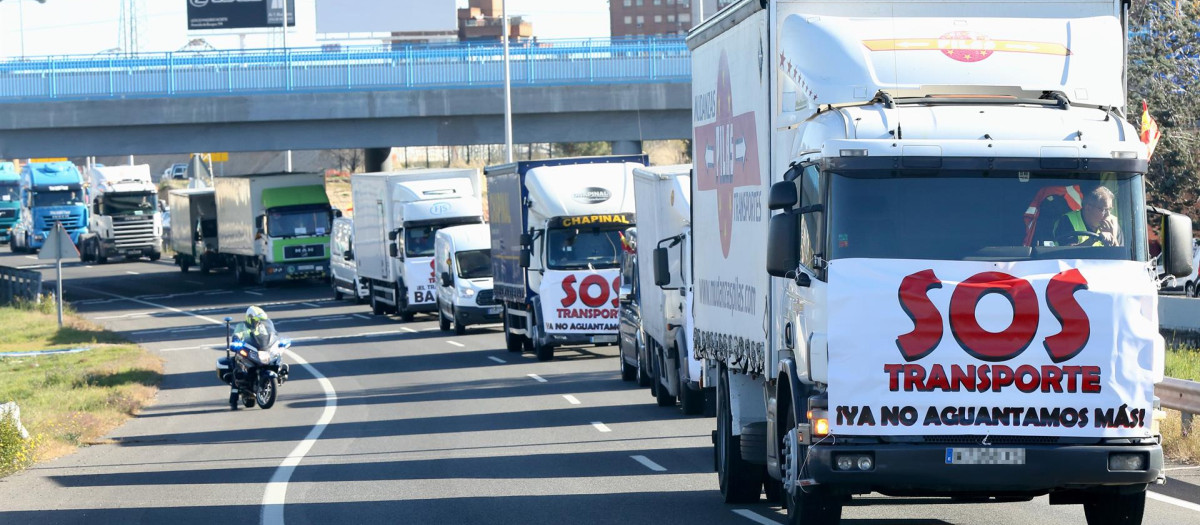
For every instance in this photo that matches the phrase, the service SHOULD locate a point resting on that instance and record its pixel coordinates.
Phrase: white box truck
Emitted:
(125, 219)
(953, 295)
(396, 216)
(556, 248)
(663, 196)
(274, 227)
(193, 230)
(463, 268)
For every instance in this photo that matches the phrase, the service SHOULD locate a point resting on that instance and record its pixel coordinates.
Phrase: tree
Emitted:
(1165, 72)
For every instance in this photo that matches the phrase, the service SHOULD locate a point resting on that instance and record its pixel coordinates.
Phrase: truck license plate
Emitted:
(306, 267)
(493, 310)
(604, 339)
(985, 456)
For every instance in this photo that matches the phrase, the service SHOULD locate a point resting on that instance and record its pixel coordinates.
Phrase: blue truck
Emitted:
(10, 200)
(50, 192)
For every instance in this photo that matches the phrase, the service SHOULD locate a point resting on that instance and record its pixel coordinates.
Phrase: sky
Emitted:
(86, 27)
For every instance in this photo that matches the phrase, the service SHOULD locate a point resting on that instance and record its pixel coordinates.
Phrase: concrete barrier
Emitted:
(22, 284)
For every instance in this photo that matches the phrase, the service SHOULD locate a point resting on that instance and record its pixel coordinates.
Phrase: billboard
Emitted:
(386, 16)
(238, 14)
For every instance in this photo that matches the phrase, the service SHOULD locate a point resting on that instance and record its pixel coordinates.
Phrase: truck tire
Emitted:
(459, 327)
(443, 323)
(662, 394)
(183, 263)
(643, 366)
(691, 401)
(628, 371)
(740, 481)
(154, 256)
(543, 351)
(511, 341)
(376, 306)
(812, 505)
(1116, 509)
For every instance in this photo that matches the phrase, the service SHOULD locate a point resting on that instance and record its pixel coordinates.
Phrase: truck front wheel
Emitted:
(511, 341)
(1116, 509)
(805, 505)
(741, 481)
(544, 352)
(376, 306)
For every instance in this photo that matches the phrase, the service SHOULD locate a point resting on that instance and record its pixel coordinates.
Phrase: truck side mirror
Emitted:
(260, 223)
(783, 246)
(392, 236)
(662, 272)
(526, 240)
(393, 250)
(348, 255)
(1177, 245)
(446, 280)
(336, 213)
(523, 258)
(783, 196)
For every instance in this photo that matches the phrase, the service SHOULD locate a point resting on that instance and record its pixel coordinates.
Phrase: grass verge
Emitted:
(1176, 445)
(1183, 362)
(67, 400)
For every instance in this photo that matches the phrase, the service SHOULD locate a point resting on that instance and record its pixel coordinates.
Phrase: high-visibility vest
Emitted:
(1076, 218)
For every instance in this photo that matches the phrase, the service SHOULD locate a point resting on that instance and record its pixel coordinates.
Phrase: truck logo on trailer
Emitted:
(967, 46)
(592, 195)
(730, 153)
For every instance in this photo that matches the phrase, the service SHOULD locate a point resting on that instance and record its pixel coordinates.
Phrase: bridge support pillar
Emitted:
(373, 159)
(626, 147)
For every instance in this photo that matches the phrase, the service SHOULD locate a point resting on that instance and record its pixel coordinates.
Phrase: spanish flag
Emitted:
(1150, 131)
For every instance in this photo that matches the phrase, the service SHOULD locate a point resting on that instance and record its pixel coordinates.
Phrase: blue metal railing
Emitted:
(334, 69)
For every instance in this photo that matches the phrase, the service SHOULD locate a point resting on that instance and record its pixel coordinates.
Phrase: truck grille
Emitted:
(134, 233)
(70, 221)
(304, 252)
(485, 298)
(8, 213)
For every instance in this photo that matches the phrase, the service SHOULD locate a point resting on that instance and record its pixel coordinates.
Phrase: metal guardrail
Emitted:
(340, 69)
(23, 284)
(1178, 394)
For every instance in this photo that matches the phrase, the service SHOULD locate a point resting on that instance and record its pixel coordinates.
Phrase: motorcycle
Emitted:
(253, 365)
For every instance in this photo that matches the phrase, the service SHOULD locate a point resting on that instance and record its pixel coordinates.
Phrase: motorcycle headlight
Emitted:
(264, 356)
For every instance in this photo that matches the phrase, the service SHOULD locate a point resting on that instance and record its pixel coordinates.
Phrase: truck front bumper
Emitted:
(297, 271)
(468, 315)
(923, 469)
(581, 339)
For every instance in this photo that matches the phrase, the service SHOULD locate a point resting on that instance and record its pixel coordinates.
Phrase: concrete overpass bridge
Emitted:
(319, 98)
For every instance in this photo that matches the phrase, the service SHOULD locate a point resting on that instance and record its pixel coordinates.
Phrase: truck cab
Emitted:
(51, 192)
(10, 199)
(463, 269)
(125, 218)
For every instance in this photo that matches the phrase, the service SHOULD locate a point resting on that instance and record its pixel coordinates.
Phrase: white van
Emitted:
(341, 261)
(463, 269)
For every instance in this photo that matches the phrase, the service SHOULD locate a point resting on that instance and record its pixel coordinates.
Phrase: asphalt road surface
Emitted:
(405, 424)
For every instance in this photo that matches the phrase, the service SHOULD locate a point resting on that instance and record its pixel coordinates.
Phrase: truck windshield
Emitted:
(418, 240)
(57, 198)
(474, 264)
(993, 216)
(9, 192)
(578, 248)
(297, 222)
(143, 203)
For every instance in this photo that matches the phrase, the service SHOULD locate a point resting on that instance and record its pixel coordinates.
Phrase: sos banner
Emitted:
(418, 276)
(582, 302)
(1041, 348)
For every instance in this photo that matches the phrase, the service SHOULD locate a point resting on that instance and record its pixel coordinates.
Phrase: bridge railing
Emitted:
(461, 65)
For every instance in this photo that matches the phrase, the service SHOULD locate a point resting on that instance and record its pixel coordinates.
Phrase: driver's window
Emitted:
(811, 224)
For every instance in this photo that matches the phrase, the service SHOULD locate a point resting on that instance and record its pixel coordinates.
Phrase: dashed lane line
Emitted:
(536, 377)
(601, 426)
(571, 399)
(409, 330)
(456, 343)
(755, 517)
(496, 359)
(123, 316)
(130, 272)
(363, 316)
(645, 461)
(310, 305)
(1173, 501)
(253, 293)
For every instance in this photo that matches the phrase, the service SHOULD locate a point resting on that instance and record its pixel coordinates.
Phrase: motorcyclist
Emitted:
(258, 328)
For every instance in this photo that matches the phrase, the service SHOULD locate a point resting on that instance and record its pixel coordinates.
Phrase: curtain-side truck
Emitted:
(920, 253)
(10, 199)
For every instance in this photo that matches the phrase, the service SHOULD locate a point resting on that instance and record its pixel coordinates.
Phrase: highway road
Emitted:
(405, 424)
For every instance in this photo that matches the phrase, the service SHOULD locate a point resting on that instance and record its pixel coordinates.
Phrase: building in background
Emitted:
(481, 20)
(629, 18)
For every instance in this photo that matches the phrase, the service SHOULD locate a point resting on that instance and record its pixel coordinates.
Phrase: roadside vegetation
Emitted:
(1183, 362)
(66, 400)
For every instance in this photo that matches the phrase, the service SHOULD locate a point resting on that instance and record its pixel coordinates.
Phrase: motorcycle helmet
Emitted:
(254, 315)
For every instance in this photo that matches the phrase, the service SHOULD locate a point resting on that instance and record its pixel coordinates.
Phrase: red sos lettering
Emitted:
(593, 291)
(994, 346)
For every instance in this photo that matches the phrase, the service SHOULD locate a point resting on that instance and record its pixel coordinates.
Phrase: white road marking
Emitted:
(649, 464)
(276, 494)
(253, 293)
(333, 318)
(755, 517)
(571, 399)
(34, 257)
(409, 330)
(273, 498)
(496, 359)
(218, 292)
(136, 314)
(373, 334)
(363, 316)
(197, 347)
(1173, 501)
(310, 305)
(601, 426)
(131, 273)
(536, 377)
(456, 343)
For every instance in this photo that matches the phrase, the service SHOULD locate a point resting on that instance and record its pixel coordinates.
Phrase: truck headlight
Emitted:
(1127, 461)
(466, 292)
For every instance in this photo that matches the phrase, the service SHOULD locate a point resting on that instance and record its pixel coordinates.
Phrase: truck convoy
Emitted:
(930, 311)
(556, 248)
(664, 253)
(194, 229)
(51, 192)
(396, 216)
(125, 219)
(10, 199)
(273, 227)
(463, 268)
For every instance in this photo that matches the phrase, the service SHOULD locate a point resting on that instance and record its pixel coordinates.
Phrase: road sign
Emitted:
(54, 159)
(216, 157)
(59, 245)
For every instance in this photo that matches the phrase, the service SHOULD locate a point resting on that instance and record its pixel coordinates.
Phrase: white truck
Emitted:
(463, 267)
(663, 196)
(954, 297)
(556, 246)
(125, 219)
(274, 227)
(193, 231)
(396, 216)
